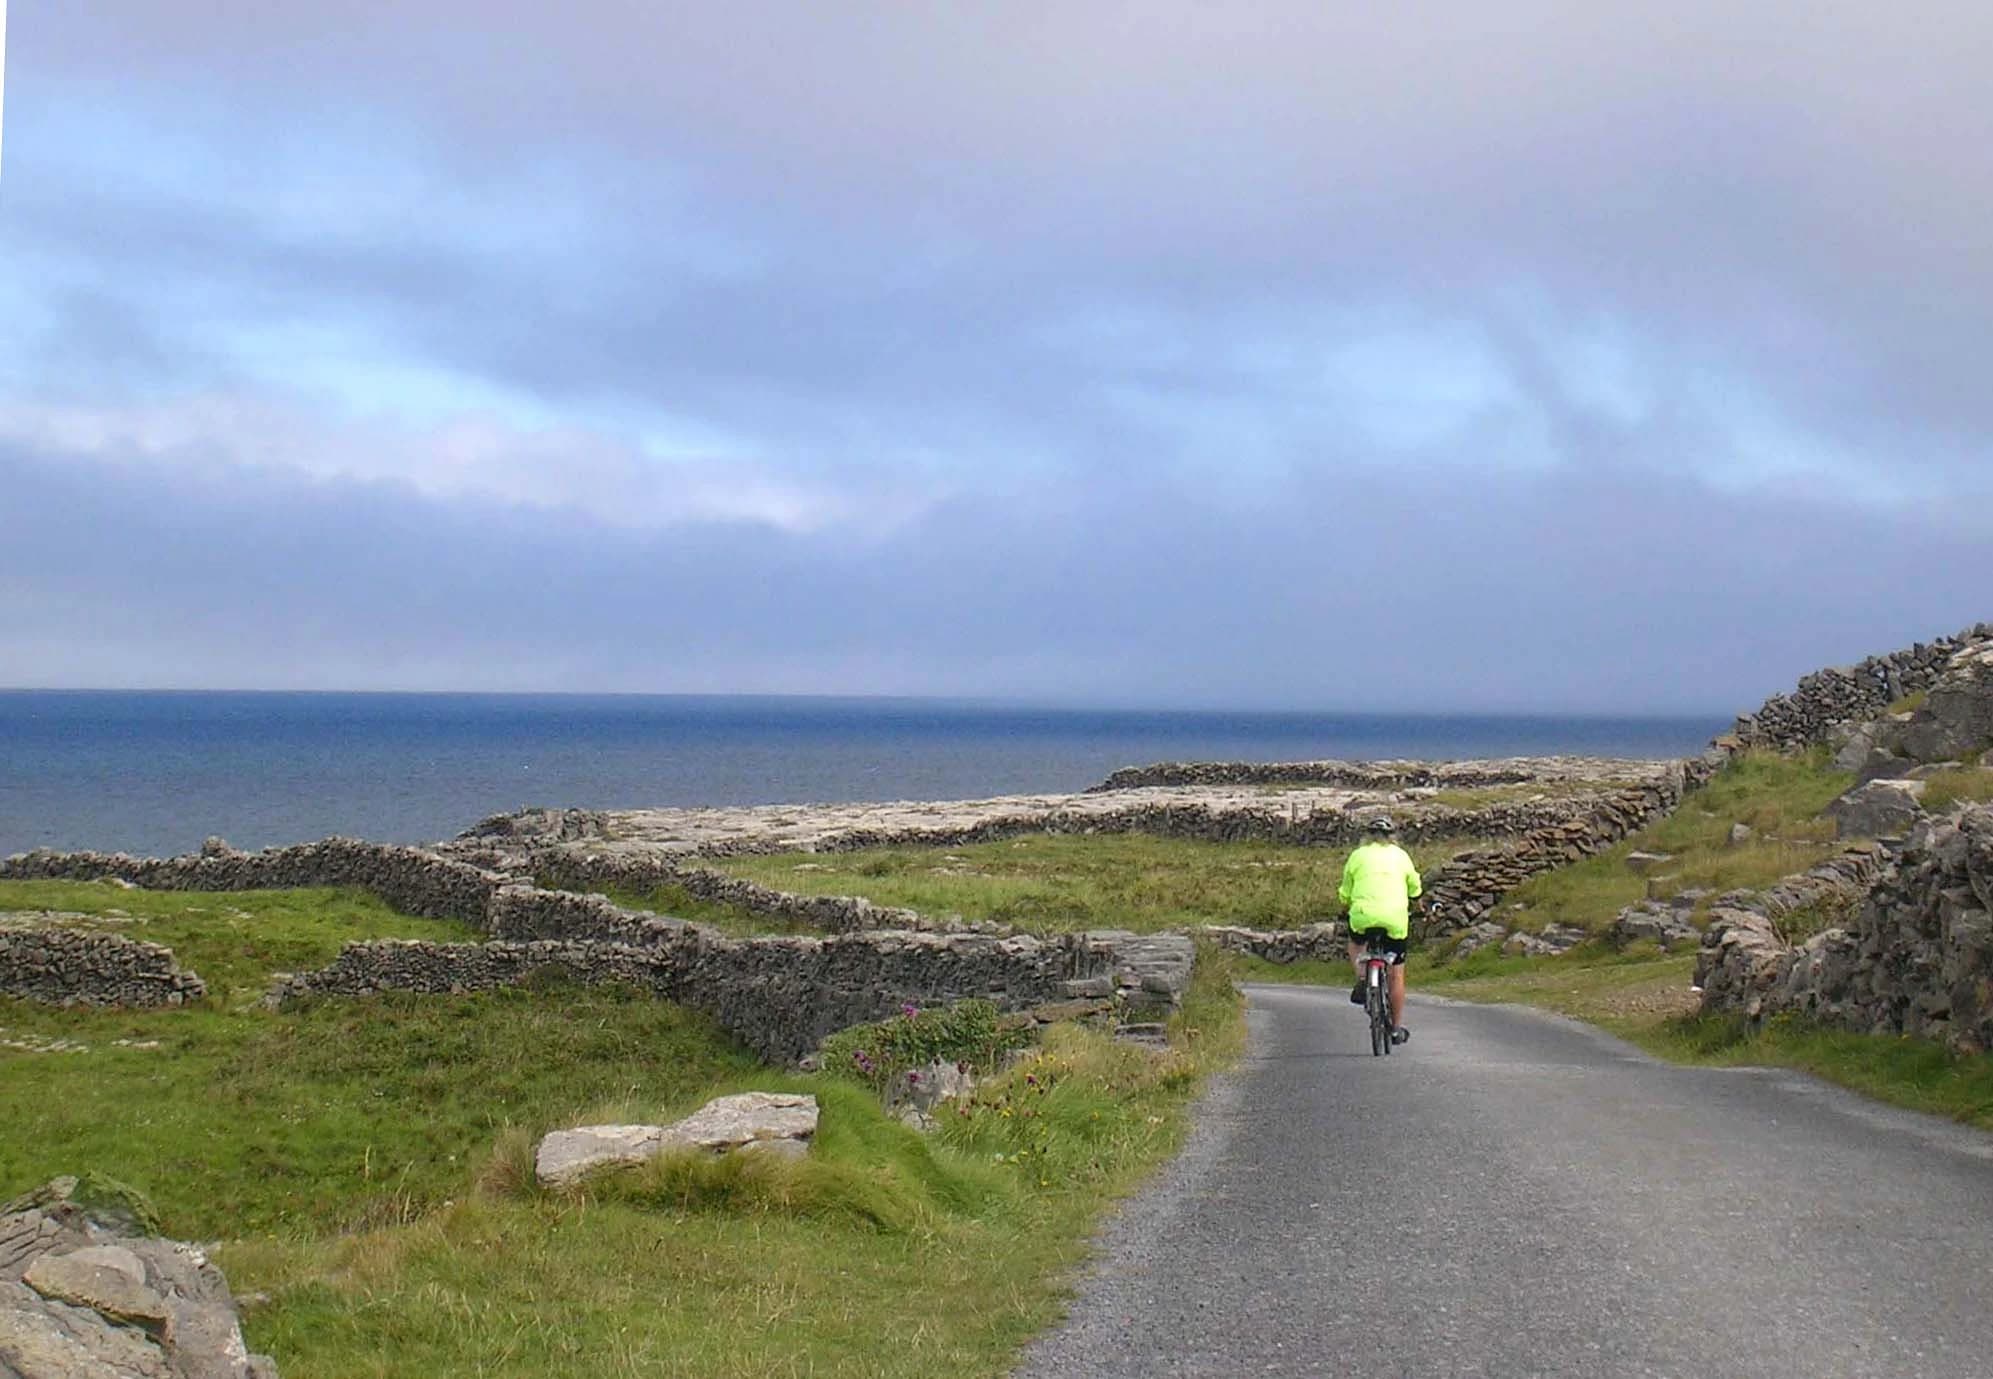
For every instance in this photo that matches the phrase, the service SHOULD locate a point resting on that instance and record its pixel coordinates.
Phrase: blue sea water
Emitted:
(157, 772)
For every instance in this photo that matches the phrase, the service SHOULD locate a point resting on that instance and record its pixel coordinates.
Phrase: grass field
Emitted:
(366, 1165)
(1049, 883)
(1779, 799)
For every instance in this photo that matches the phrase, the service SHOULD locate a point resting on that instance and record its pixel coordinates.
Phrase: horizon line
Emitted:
(989, 701)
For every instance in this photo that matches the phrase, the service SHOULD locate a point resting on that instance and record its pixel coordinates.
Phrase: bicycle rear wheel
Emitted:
(1376, 1005)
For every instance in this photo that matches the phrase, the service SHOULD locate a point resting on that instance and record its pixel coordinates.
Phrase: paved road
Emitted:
(1557, 1204)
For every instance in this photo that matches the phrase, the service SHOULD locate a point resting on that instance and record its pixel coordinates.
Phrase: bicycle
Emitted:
(1377, 1002)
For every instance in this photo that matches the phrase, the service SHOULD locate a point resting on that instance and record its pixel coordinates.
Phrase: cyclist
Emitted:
(1378, 887)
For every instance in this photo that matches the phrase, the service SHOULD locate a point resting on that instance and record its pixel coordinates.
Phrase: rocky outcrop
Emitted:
(42, 961)
(1831, 701)
(1744, 952)
(748, 1122)
(84, 1297)
(1877, 809)
(1918, 958)
(1955, 721)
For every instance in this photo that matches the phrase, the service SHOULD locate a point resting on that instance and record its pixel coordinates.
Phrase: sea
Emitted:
(157, 772)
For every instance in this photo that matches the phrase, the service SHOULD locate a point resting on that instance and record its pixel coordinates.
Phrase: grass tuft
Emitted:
(1965, 784)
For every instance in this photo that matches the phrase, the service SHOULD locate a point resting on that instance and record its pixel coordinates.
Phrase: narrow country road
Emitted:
(1515, 1194)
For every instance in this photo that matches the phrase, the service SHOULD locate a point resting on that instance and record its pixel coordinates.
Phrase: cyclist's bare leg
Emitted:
(1397, 995)
(1357, 953)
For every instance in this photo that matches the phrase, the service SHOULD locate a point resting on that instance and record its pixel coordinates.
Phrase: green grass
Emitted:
(1966, 783)
(1779, 798)
(1060, 883)
(234, 939)
(1909, 703)
(883, 1253)
(337, 1113)
(366, 1164)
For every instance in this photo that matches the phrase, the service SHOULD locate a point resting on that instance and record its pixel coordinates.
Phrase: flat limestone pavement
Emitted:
(1515, 1194)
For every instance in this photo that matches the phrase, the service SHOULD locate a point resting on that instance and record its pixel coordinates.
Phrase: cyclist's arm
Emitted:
(1349, 881)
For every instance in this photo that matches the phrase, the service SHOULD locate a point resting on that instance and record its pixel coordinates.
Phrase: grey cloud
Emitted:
(1079, 265)
(1610, 594)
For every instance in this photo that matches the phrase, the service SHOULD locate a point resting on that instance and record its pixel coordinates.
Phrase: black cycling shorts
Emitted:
(1382, 944)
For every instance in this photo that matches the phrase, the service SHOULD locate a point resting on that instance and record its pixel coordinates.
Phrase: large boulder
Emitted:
(1878, 809)
(1956, 718)
(82, 1296)
(768, 1122)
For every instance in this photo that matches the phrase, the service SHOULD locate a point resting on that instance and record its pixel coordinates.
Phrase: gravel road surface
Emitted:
(1515, 1194)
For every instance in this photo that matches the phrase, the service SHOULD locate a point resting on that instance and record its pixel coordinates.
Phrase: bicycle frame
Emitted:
(1377, 1002)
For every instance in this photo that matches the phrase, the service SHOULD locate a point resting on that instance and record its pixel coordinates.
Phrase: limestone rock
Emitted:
(1956, 717)
(1741, 834)
(565, 1156)
(1561, 938)
(80, 1296)
(1666, 924)
(1480, 936)
(43, 1340)
(730, 1122)
(107, 1280)
(757, 1120)
(1878, 809)
(1640, 863)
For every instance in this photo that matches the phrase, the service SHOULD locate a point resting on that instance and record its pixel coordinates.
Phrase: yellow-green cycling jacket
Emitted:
(1379, 882)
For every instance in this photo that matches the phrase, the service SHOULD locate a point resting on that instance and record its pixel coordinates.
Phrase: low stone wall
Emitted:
(1546, 832)
(639, 874)
(1917, 959)
(77, 967)
(779, 996)
(408, 879)
(1359, 775)
(1845, 695)
(1465, 890)
(1324, 941)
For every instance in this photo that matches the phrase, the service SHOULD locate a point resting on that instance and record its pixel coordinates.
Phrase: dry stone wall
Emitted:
(1465, 890)
(1546, 832)
(640, 873)
(779, 996)
(1327, 942)
(411, 880)
(1917, 958)
(58, 966)
(1360, 775)
(1836, 698)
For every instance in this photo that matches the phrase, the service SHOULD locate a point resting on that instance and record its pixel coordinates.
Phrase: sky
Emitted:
(1556, 356)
